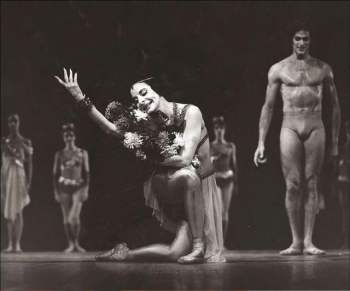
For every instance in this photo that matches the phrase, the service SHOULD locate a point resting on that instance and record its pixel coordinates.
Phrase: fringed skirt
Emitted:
(14, 194)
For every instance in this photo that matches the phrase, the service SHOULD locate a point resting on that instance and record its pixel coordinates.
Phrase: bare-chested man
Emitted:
(302, 81)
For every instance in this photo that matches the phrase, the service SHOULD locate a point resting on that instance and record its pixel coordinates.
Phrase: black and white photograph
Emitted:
(175, 145)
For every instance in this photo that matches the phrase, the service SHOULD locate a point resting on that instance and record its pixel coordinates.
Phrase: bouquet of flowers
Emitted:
(147, 136)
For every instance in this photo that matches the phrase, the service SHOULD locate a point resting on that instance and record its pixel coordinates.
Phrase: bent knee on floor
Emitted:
(189, 179)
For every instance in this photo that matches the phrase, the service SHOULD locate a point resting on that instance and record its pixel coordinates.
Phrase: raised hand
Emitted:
(71, 84)
(259, 156)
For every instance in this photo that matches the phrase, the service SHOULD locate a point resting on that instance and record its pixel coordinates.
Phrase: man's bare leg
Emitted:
(314, 154)
(291, 159)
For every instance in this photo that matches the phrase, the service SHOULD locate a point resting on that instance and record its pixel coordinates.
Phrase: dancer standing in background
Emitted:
(16, 179)
(71, 185)
(302, 81)
(223, 154)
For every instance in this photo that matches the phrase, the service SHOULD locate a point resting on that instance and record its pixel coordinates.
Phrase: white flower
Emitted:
(179, 140)
(169, 151)
(140, 115)
(132, 140)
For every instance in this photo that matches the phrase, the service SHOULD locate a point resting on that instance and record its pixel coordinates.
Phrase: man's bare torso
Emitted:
(301, 84)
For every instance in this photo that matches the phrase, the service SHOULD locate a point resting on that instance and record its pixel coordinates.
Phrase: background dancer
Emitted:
(71, 177)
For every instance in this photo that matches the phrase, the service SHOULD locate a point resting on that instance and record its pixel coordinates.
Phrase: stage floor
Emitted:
(244, 270)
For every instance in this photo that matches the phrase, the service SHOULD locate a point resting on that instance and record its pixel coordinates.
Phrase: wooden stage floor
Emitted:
(244, 270)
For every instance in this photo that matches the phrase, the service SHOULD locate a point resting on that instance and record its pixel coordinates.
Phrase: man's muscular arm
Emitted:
(272, 89)
(331, 90)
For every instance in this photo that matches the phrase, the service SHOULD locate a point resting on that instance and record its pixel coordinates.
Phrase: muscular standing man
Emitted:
(302, 81)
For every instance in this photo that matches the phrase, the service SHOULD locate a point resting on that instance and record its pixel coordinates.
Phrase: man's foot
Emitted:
(69, 249)
(293, 250)
(9, 249)
(312, 250)
(79, 248)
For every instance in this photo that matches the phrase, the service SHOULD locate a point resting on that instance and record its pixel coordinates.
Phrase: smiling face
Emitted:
(147, 99)
(301, 43)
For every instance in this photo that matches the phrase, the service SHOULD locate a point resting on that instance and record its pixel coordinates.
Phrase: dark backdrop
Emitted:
(212, 54)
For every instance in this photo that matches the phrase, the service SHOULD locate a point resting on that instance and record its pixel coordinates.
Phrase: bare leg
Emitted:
(194, 204)
(18, 230)
(156, 252)
(66, 202)
(10, 235)
(314, 154)
(74, 220)
(291, 159)
(184, 186)
(179, 247)
(226, 194)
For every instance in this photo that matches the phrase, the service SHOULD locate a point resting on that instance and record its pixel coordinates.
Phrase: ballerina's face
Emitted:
(13, 123)
(219, 131)
(68, 137)
(147, 99)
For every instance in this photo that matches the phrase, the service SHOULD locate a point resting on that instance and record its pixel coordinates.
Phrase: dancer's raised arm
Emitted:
(71, 84)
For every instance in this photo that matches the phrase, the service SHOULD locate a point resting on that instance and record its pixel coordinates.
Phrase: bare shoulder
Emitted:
(85, 153)
(191, 110)
(276, 70)
(27, 142)
(325, 67)
(82, 151)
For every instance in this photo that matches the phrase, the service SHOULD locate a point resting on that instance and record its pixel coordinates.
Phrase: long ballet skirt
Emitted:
(13, 187)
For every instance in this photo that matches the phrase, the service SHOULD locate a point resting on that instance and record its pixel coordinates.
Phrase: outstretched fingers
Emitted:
(65, 75)
(60, 81)
(70, 76)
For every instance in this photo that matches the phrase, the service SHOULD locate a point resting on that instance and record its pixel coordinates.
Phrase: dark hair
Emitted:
(68, 127)
(298, 25)
(219, 121)
(124, 86)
